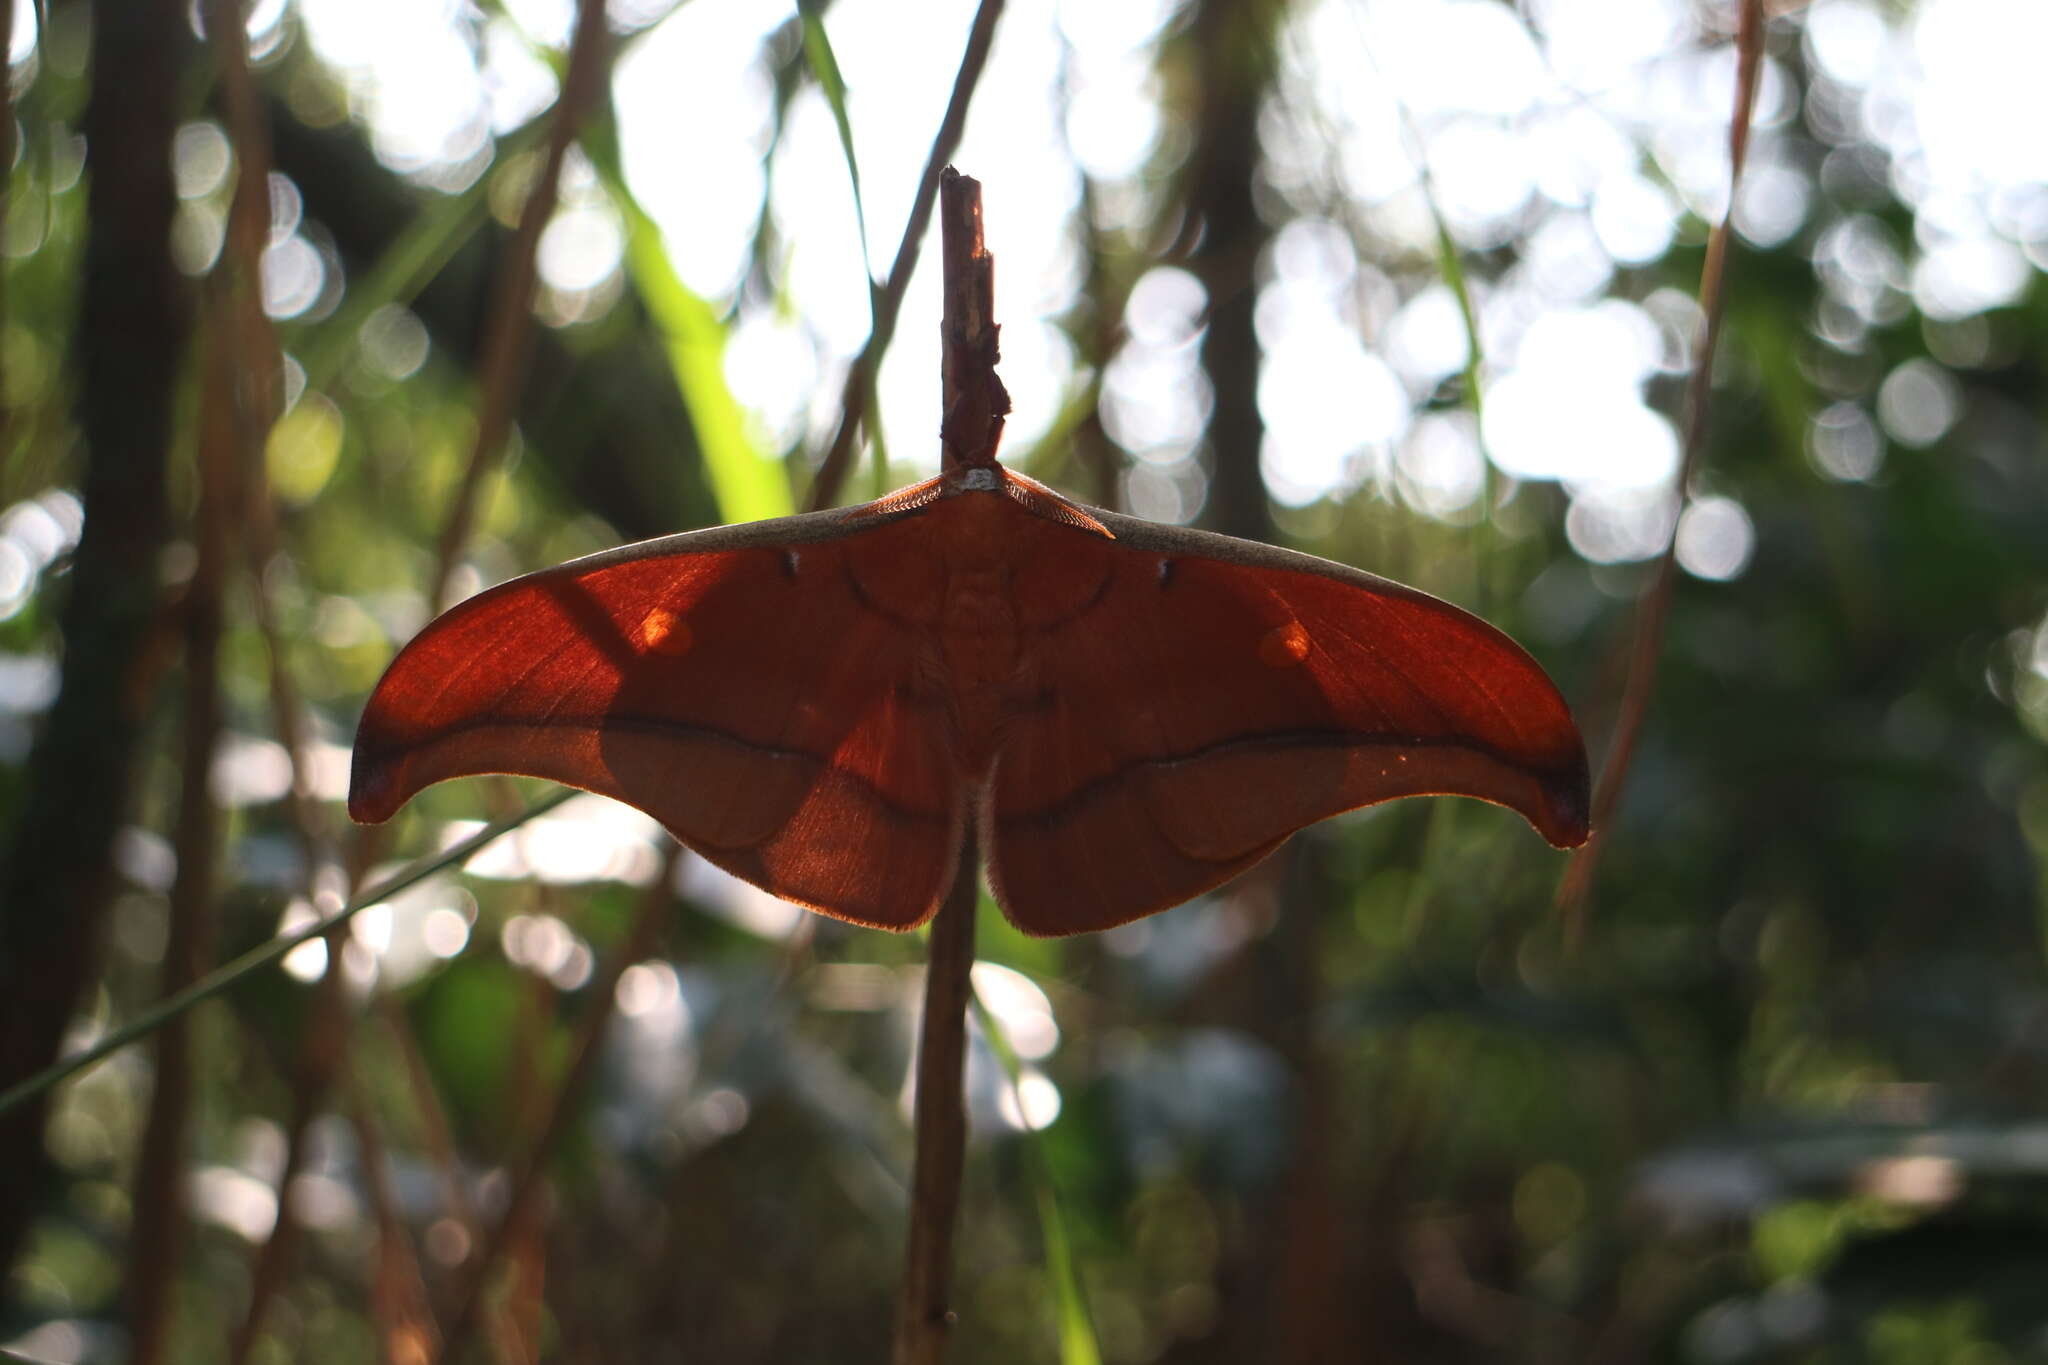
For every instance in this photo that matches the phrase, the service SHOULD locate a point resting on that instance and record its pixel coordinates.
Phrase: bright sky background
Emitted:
(1584, 134)
(1582, 129)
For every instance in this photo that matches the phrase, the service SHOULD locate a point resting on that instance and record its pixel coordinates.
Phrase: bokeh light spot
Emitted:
(394, 342)
(200, 159)
(1844, 443)
(1918, 403)
(580, 249)
(1617, 525)
(1439, 468)
(1571, 407)
(304, 448)
(293, 276)
(1715, 539)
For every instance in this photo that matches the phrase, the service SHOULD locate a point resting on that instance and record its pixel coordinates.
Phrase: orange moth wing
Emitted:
(1133, 713)
(1215, 695)
(731, 683)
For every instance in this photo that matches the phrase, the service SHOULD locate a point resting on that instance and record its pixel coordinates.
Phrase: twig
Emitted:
(258, 397)
(439, 1141)
(924, 1316)
(1655, 605)
(508, 336)
(160, 1206)
(974, 398)
(526, 1187)
(438, 1135)
(853, 407)
(256, 959)
(260, 377)
(273, 1258)
(509, 332)
(398, 1294)
(974, 406)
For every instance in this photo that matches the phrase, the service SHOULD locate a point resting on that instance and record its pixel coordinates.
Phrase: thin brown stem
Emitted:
(973, 422)
(160, 1210)
(267, 1274)
(522, 1206)
(327, 1041)
(1654, 608)
(259, 396)
(431, 1115)
(508, 336)
(853, 411)
(924, 1315)
(398, 1293)
(438, 1138)
(260, 375)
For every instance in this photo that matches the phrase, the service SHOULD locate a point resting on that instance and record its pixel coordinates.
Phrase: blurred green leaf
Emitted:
(825, 68)
(749, 486)
(1078, 1345)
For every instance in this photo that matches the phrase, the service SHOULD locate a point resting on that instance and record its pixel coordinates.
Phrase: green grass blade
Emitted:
(1077, 1333)
(825, 68)
(1453, 267)
(748, 484)
(257, 958)
(1448, 260)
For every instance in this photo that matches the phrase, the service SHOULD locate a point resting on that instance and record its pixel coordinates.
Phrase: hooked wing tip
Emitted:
(373, 791)
(1565, 817)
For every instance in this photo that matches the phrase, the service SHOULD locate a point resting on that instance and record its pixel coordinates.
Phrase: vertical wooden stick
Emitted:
(975, 401)
(972, 424)
(923, 1317)
(853, 409)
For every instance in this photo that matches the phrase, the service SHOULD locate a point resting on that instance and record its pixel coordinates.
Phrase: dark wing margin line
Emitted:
(1049, 815)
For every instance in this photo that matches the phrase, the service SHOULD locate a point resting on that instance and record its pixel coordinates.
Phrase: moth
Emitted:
(1125, 714)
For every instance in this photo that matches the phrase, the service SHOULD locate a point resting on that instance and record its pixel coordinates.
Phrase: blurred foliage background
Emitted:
(278, 300)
